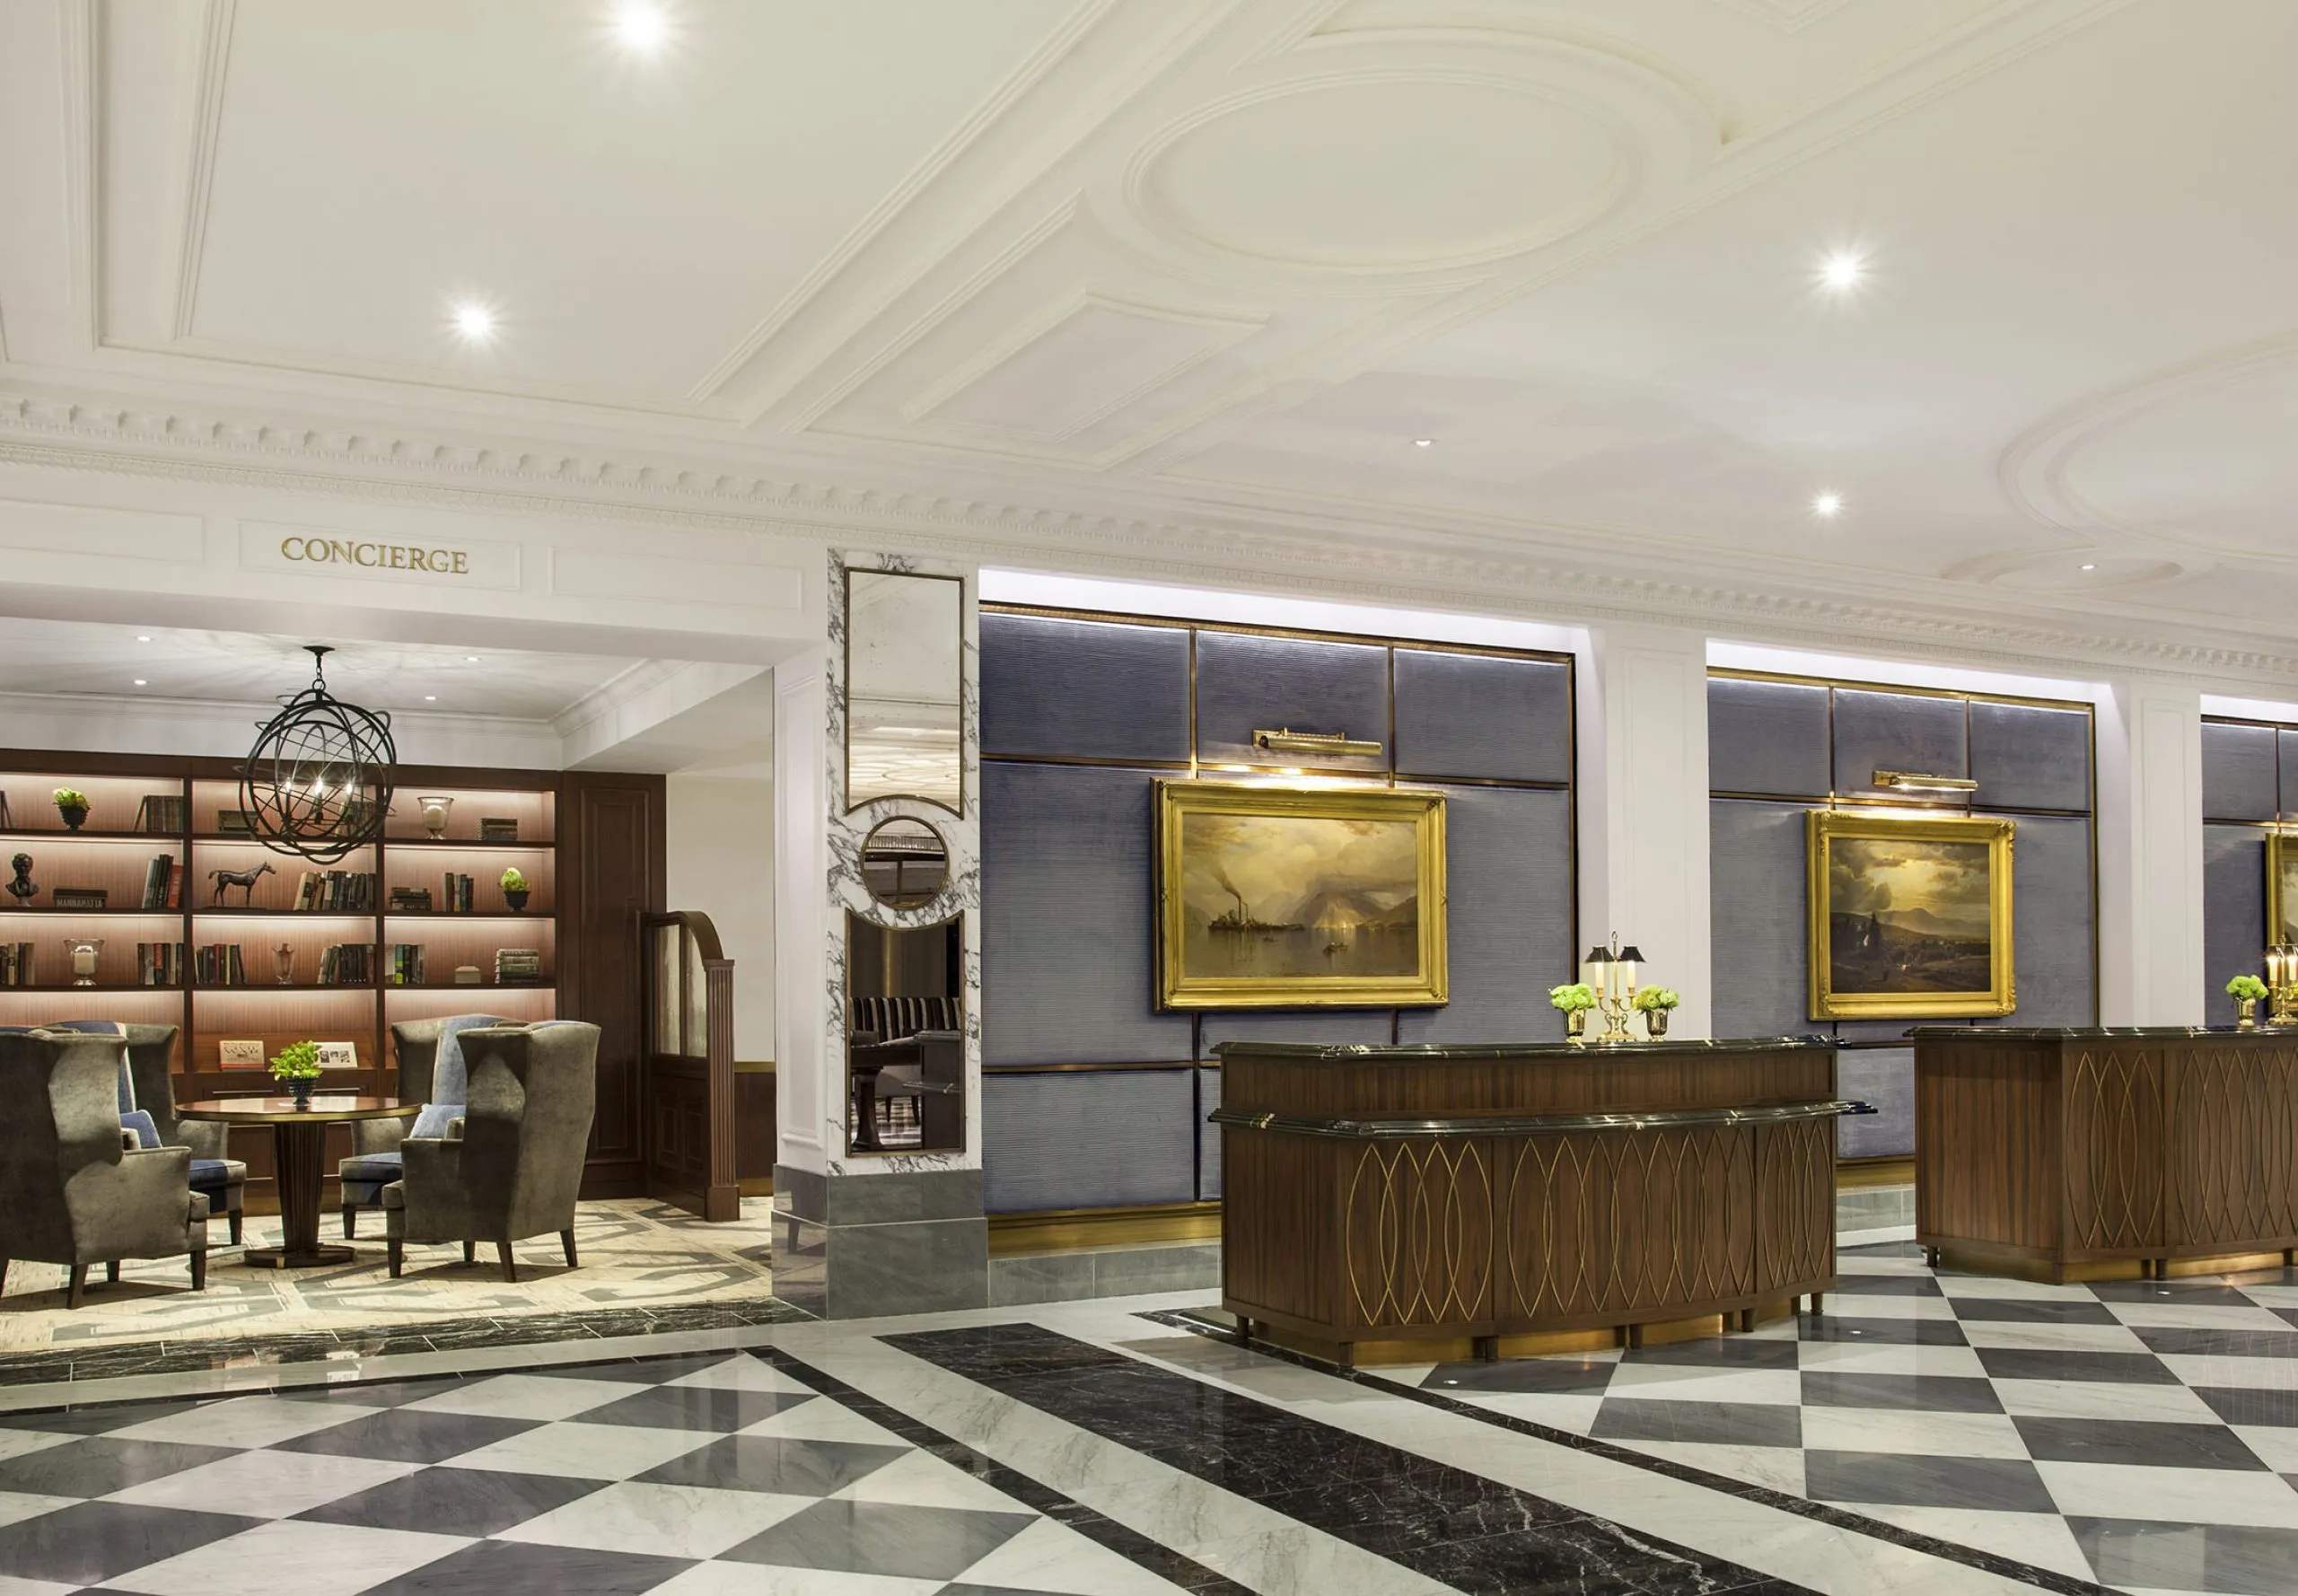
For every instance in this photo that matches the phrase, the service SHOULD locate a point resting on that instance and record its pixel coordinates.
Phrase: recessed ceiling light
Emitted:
(470, 659)
(430, 697)
(642, 27)
(474, 320)
(143, 639)
(2090, 567)
(1422, 442)
(1842, 270)
(1826, 506)
(141, 682)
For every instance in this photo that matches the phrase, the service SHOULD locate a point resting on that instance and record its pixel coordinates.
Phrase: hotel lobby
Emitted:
(1057, 797)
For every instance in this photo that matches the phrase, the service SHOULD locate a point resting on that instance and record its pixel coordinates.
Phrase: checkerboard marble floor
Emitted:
(2142, 1434)
(687, 1475)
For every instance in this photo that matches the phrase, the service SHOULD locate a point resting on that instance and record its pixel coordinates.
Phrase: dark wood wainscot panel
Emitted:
(2067, 1147)
(1407, 1193)
(613, 849)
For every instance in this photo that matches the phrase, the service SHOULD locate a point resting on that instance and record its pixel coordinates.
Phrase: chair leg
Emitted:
(3, 1273)
(566, 1239)
(199, 1268)
(237, 1220)
(395, 1251)
(76, 1282)
(112, 1272)
(470, 1252)
(509, 1264)
(350, 1222)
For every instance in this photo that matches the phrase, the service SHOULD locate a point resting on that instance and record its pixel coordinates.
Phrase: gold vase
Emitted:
(1655, 1023)
(2247, 1009)
(1575, 1027)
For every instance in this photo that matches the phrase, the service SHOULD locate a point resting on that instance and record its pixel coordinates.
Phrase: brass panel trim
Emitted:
(1729, 673)
(1069, 1229)
(1381, 1130)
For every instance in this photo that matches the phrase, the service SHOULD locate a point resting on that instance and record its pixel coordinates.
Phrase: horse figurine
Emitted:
(245, 879)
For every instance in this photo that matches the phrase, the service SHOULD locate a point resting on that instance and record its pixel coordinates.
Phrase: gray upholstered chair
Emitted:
(74, 1189)
(215, 1172)
(512, 1166)
(430, 1059)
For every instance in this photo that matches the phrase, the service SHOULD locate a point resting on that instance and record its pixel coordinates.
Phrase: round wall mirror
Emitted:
(905, 863)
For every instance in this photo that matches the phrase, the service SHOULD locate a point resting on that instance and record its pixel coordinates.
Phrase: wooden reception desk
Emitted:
(2064, 1148)
(1384, 1194)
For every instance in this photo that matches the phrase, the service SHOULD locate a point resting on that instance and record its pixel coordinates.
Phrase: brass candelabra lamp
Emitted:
(1610, 974)
(2282, 984)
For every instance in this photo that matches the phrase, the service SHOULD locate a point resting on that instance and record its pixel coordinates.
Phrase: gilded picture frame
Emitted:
(1910, 917)
(1277, 897)
(2281, 892)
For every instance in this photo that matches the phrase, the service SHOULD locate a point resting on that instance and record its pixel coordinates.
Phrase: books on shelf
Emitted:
(336, 891)
(16, 965)
(494, 828)
(219, 964)
(410, 900)
(458, 893)
(159, 964)
(348, 964)
(161, 812)
(518, 966)
(406, 966)
(159, 876)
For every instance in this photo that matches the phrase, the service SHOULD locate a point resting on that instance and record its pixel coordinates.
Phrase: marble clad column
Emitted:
(861, 1235)
(1643, 793)
(2149, 854)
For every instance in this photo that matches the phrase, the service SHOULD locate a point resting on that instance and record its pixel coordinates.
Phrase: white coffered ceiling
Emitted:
(1172, 287)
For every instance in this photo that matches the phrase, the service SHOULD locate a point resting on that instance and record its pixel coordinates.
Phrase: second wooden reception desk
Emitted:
(1384, 1194)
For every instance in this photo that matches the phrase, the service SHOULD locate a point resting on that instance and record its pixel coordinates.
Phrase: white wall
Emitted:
(721, 848)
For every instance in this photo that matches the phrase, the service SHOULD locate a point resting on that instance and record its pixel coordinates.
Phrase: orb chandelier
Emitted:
(318, 781)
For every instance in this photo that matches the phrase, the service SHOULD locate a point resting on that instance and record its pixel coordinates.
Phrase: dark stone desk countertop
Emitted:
(1433, 1052)
(2069, 1033)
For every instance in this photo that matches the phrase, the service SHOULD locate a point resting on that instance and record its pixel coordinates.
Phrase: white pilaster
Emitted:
(1643, 778)
(2149, 854)
(808, 1079)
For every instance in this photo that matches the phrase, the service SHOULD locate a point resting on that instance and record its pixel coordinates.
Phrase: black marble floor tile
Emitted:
(1718, 1352)
(410, 1435)
(1188, 1424)
(1997, 1484)
(2030, 1311)
(890, 1539)
(1926, 1393)
(1886, 1285)
(96, 1419)
(2200, 1292)
(773, 1463)
(2247, 1405)
(1732, 1424)
(92, 1541)
(2289, 1313)
(2139, 1442)
(378, 1393)
(2119, 1368)
(512, 1568)
(2242, 1560)
(693, 1407)
(640, 1370)
(1559, 1376)
(98, 1465)
(2220, 1344)
(448, 1501)
(1881, 1249)
(1901, 1332)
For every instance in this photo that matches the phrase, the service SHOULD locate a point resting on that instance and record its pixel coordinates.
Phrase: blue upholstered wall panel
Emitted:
(1084, 689)
(1065, 888)
(2287, 741)
(1885, 1076)
(2233, 913)
(1321, 1027)
(1510, 891)
(1767, 737)
(2025, 757)
(1896, 731)
(1208, 1136)
(1088, 1141)
(1756, 918)
(1246, 684)
(2239, 772)
(1476, 715)
(2053, 922)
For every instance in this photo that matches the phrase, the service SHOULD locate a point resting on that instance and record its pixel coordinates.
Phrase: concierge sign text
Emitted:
(309, 551)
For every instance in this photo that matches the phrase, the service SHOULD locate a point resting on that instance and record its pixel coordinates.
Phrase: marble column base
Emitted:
(867, 1246)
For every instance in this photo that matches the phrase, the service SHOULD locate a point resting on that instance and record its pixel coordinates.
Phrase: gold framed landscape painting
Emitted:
(2281, 887)
(1910, 918)
(1289, 897)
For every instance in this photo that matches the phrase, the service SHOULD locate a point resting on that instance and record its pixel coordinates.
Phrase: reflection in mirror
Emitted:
(904, 863)
(904, 660)
(905, 1053)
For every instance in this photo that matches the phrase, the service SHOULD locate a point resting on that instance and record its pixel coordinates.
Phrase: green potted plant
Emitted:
(514, 889)
(1655, 1002)
(72, 804)
(1576, 998)
(297, 1065)
(2245, 991)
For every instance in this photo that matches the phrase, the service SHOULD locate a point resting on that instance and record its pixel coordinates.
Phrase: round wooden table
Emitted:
(300, 1139)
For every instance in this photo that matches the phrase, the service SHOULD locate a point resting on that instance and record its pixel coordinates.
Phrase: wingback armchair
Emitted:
(223, 1179)
(430, 1072)
(75, 1188)
(511, 1166)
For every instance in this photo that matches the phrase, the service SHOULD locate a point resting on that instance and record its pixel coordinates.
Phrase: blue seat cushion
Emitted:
(140, 1121)
(372, 1167)
(211, 1174)
(432, 1123)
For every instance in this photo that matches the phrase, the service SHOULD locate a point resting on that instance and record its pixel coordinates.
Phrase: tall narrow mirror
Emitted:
(905, 659)
(904, 1054)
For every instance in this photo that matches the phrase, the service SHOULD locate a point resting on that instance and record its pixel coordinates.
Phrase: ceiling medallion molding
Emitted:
(1316, 557)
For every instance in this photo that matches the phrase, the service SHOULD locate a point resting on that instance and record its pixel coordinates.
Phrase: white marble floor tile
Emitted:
(752, 1579)
(2258, 1374)
(578, 1450)
(2053, 1338)
(2273, 1296)
(2179, 1495)
(287, 1557)
(924, 1480)
(18, 1505)
(2171, 1314)
(271, 1485)
(743, 1372)
(526, 1396)
(2041, 1539)
(659, 1520)
(2100, 1399)
(1052, 1556)
(821, 1420)
(1701, 1383)
(10, 1585)
(244, 1421)
(1576, 1414)
(15, 1443)
(1779, 1468)
(2008, 1286)
(2275, 1445)
(1912, 1431)
(1867, 1357)
(1855, 1304)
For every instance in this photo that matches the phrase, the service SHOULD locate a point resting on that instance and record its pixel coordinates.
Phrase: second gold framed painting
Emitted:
(1299, 897)
(1910, 917)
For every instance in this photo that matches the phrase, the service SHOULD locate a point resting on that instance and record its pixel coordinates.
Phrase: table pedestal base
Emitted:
(310, 1258)
(300, 1154)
